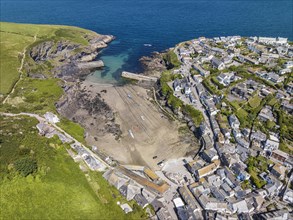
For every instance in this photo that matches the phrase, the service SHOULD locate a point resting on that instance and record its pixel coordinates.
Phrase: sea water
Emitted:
(143, 26)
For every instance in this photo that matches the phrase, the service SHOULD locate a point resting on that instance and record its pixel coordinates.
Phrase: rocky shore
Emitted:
(66, 60)
(89, 110)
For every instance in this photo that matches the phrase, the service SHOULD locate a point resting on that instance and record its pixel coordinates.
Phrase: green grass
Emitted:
(272, 102)
(254, 101)
(171, 59)
(242, 115)
(210, 87)
(256, 166)
(74, 129)
(223, 121)
(46, 31)
(59, 189)
(284, 147)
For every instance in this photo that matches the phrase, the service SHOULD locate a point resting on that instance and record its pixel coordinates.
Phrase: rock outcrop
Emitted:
(68, 59)
(153, 65)
(90, 111)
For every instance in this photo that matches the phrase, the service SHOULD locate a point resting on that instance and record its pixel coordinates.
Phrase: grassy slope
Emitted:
(34, 95)
(59, 190)
(11, 47)
(15, 37)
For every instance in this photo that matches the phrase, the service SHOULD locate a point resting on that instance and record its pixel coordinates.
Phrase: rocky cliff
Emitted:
(72, 62)
(66, 59)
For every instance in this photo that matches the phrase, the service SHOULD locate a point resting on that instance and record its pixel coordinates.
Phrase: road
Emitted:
(43, 120)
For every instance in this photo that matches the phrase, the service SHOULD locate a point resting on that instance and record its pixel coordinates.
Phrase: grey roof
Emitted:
(216, 62)
(141, 200)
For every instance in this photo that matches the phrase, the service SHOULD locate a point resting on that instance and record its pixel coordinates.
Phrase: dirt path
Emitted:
(19, 70)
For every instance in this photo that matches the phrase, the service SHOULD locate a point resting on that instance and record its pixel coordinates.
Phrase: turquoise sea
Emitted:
(160, 23)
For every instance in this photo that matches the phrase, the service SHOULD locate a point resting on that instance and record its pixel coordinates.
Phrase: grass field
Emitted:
(34, 95)
(12, 45)
(59, 189)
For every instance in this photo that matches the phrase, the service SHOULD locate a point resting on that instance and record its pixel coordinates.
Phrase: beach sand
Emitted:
(146, 132)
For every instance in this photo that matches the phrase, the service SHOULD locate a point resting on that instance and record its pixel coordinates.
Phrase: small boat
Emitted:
(147, 45)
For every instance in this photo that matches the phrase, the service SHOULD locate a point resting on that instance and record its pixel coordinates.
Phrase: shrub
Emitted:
(195, 114)
(26, 166)
(171, 59)
(174, 102)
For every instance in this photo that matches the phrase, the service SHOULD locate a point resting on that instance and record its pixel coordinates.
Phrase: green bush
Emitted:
(174, 102)
(26, 166)
(257, 181)
(195, 114)
(171, 59)
(165, 89)
(212, 89)
(167, 76)
(216, 82)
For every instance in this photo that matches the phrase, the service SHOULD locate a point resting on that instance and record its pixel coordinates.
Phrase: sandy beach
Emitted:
(146, 132)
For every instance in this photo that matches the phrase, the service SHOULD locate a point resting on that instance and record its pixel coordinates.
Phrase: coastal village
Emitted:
(235, 95)
(100, 126)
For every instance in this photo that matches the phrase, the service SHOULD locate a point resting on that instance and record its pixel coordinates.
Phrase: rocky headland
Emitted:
(66, 60)
(154, 64)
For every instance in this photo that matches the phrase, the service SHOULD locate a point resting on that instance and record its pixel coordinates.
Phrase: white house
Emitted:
(226, 78)
(288, 64)
(178, 202)
(177, 85)
(271, 145)
(284, 71)
(187, 89)
(234, 122)
(51, 118)
(218, 63)
(267, 40)
(239, 206)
